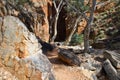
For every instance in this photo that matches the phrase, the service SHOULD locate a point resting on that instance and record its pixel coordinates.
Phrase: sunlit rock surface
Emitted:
(20, 52)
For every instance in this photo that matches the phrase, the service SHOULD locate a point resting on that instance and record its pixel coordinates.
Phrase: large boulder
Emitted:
(34, 16)
(20, 52)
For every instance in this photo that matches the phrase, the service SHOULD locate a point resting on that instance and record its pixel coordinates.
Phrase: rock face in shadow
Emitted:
(20, 52)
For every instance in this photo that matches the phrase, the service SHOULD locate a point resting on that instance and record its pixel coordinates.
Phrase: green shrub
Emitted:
(76, 39)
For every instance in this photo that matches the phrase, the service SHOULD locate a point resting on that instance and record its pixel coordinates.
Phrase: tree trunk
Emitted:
(58, 9)
(72, 32)
(55, 28)
(87, 28)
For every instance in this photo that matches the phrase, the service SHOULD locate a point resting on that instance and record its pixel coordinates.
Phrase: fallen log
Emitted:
(113, 57)
(69, 57)
(110, 70)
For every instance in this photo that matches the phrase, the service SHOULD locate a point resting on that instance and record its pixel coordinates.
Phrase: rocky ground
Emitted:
(62, 71)
(5, 75)
(90, 68)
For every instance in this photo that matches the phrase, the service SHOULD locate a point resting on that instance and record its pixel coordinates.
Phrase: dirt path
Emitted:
(62, 71)
(69, 73)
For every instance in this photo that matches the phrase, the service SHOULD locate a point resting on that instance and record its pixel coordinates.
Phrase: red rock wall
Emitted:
(43, 32)
(47, 9)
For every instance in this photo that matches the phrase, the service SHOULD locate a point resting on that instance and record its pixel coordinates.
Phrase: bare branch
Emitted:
(61, 7)
(54, 4)
(60, 4)
(83, 14)
(58, 9)
(73, 30)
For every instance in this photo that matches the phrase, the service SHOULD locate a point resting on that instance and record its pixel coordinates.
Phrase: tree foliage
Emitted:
(19, 2)
(107, 22)
(76, 9)
(78, 4)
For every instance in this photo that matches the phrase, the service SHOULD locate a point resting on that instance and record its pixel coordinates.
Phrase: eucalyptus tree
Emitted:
(76, 8)
(80, 8)
(88, 27)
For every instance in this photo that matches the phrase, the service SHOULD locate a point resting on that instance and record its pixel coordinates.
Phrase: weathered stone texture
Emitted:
(20, 51)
